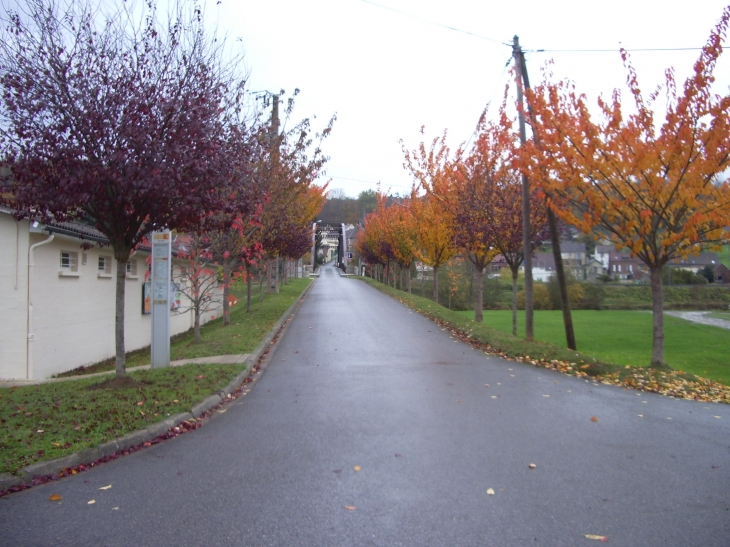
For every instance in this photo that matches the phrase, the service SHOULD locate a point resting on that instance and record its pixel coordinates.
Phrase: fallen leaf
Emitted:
(486, 385)
(56, 444)
(717, 416)
(357, 468)
(115, 508)
(546, 395)
(603, 539)
(490, 491)
(200, 377)
(55, 497)
(222, 411)
(532, 466)
(640, 415)
(350, 507)
(493, 396)
(140, 403)
(175, 401)
(40, 431)
(91, 502)
(399, 455)
(594, 419)
(105, 487)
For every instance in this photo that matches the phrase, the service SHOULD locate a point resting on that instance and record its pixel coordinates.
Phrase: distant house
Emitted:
(592, 269)
(624, 267)
(603, 255)
(543, 266)
(497, 265)
(695, 263)
(722, 274)
(573, 253)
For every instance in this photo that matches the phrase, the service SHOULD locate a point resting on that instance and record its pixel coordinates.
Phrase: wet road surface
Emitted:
(371, 426)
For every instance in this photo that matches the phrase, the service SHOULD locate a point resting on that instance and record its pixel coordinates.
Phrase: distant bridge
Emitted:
(330, 239)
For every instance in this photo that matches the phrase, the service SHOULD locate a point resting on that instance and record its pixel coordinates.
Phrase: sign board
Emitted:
(161, 278)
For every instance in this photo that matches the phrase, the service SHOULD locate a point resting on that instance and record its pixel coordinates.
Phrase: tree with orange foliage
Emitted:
(399, 227)
(655, 190)
(433, 217)
(435, 235)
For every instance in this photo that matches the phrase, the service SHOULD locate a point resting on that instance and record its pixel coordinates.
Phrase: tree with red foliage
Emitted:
(118, 122)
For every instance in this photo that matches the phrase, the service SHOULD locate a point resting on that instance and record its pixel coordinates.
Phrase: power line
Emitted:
(611, 50)
(455, 29)
(481, 37)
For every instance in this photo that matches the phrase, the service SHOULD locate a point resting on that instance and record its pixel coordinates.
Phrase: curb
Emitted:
(37, 472)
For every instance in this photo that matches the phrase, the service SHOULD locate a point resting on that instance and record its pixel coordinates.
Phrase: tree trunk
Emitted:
(249, 282)
(408, 280)
(276, 275)
(515, 273)
(226, 291)
(122, 257)
(478, 276)
(196, 323)
(436, 284)
(657, 297)
(560, 271)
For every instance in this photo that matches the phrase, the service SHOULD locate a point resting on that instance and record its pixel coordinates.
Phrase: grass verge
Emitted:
(672, 383)
(48, 421)
(55, 419)
(624, 338)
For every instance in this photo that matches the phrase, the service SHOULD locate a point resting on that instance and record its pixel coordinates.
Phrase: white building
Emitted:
(57, 308)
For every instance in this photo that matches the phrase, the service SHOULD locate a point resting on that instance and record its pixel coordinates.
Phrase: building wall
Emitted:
(14, 291)
(72, 319)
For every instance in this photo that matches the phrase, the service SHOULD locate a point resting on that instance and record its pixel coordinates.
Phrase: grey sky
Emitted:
(386, 73)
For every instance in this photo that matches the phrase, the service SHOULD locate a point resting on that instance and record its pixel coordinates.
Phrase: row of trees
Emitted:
(135, 122)
(654, 189)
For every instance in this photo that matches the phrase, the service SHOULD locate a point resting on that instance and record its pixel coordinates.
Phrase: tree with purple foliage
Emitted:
(494, 199)
(121, 120)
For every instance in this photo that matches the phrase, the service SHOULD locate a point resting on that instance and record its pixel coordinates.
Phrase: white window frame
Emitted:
(104, 267)
(132, 269)
(70, 266)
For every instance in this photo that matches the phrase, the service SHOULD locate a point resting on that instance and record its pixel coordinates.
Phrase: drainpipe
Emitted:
(29, 346)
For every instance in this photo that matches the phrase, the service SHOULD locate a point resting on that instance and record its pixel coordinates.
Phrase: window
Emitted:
(105, 266)
(69, 264)
(631, 267)
(132, 269)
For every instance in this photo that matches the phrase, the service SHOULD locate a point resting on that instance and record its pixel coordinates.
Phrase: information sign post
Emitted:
(161, 259)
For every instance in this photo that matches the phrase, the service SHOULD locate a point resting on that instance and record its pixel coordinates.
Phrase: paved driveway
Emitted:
(373, 427)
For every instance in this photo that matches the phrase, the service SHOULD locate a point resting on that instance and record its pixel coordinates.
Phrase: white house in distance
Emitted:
(57, 306)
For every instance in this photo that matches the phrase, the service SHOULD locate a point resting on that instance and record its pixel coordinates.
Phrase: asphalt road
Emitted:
(372, 427)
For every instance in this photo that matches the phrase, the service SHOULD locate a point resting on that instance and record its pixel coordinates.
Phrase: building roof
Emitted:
(572, 247)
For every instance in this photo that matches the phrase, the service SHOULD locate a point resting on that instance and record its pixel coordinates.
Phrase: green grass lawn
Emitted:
(52, 420)
(719, 315)
(624, 337)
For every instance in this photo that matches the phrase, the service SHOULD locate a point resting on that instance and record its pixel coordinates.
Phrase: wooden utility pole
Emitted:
(552, 220)
(526, 243)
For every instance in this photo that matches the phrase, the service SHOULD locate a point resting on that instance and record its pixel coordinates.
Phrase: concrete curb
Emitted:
(135, 438)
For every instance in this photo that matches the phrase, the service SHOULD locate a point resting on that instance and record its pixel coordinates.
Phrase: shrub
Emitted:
(540, 298)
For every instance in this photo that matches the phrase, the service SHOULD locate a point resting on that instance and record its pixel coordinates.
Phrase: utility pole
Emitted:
(552, 220)
(526, 243)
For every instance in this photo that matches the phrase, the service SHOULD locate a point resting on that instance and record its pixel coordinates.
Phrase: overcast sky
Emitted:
(388, 67)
